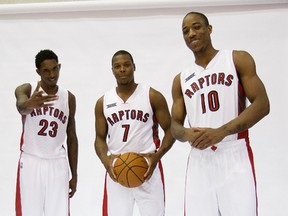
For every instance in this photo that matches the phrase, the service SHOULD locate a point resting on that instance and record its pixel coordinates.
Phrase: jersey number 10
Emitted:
(213, 101)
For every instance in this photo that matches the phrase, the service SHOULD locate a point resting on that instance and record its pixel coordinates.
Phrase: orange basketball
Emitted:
(130, 168)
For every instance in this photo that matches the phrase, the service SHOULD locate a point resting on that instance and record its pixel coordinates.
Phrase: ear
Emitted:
(210, 28)
(38, 71)
(59, 65)
(134, 66)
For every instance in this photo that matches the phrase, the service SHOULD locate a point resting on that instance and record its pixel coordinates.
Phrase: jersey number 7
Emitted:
(126, 131)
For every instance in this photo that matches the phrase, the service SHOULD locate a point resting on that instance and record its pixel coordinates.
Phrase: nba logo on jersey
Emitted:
(111, 105)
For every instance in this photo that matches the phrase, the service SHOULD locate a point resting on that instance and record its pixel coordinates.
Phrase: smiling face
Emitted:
(123, 69)
(196, 32)
(49, 72)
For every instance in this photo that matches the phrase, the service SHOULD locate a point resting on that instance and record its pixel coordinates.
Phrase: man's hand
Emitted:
(108, 164)
(153, 160)
(205, 137)
(38, 100)
(72, 186)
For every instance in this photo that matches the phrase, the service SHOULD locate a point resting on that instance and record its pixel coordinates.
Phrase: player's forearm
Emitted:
(178, 131)
(72, 144)
(23, 106)
(101, 149)
(167, 143)
(248, 118)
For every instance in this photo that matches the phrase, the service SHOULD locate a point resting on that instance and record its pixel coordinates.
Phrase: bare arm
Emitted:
(22, 94)
(26, 103)
(255, 92)
(163, 117)
(72, 144)
(100, 143)
(178, 130)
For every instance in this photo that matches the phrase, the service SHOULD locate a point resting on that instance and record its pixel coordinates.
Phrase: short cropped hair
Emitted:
(206, 21)
(122, 52)
(44, 55)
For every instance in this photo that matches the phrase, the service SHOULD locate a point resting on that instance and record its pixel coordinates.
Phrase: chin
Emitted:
(54, 84)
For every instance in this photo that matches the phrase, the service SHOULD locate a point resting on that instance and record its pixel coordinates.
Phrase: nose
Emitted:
(122, 68)
(191, 33)
(52, 73)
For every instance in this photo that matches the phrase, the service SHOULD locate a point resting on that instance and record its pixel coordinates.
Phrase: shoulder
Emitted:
(156, 96)
(71, 96)
(241, 57)
(23, 89)
(177, 81)
(244, 63)
(71, 102)
(24, 85)
(240, 53)
(153, 92)
(99, 106)
(177, 77)
(100, 100)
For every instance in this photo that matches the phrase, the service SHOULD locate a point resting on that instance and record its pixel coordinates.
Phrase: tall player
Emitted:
(127, 120)
(48, 121)
(220, 176)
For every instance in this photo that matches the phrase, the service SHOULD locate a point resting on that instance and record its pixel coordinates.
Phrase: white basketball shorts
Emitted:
(149, 197)
(221, 181)
(42, 186)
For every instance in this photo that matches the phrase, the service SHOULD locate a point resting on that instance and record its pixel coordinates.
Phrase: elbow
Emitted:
(263, 110)
(174, 131)
(177, 133)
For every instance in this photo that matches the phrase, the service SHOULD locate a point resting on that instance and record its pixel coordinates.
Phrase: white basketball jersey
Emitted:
(44, 129)
(131, 125)
(213, 95)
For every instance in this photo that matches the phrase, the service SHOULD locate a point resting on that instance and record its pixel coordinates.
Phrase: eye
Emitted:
(197, 27)
(55, 68)
(45, 71)
(185, 31)
(116, 66)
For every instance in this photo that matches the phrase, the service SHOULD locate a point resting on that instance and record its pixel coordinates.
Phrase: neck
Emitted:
(51, 90)
(203, 57)
(125, 91)
(126, 87)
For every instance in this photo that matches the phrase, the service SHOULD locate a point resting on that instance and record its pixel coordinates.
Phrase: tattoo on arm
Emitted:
(237, 129)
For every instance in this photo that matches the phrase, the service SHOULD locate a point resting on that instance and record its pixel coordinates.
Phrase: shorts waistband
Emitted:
(43, 157)
(222, 146)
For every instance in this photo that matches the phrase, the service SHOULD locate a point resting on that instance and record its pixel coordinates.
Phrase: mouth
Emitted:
(53, 80)
(194, 41)
(122, 77)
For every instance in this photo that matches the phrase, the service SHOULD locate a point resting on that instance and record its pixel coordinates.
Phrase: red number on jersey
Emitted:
(45, 124)
(126, 131)
(213, 101)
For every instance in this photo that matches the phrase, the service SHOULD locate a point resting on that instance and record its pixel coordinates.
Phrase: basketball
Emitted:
(130, 168)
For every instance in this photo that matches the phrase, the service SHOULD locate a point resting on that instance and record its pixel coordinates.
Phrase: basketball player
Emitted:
(220, 177)
(48, 119)
(127, 117)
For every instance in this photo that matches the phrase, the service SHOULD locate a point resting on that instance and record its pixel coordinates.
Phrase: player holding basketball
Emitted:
(128, 116)
(220, 177)
(48, 119)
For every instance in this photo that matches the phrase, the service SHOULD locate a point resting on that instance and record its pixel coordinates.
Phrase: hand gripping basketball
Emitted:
(130, 168)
